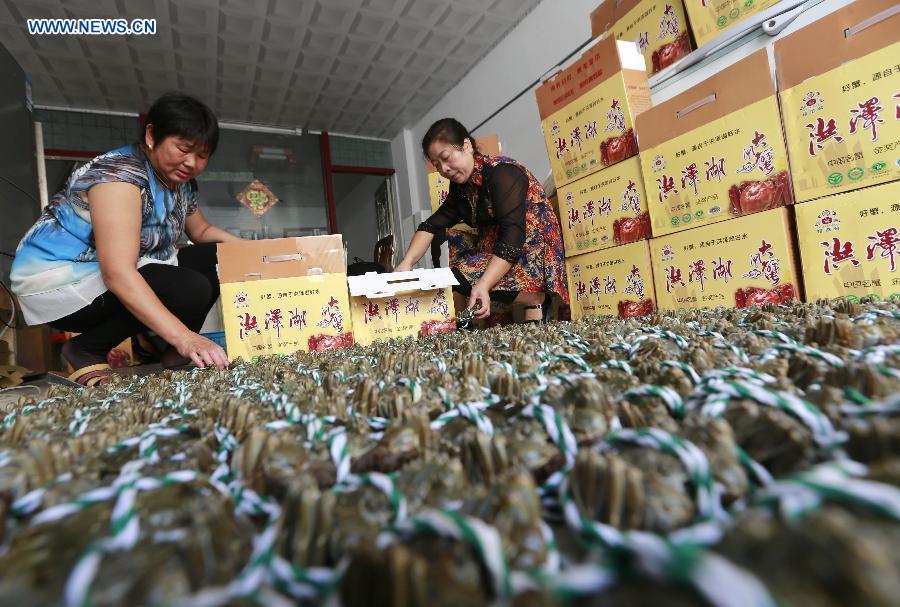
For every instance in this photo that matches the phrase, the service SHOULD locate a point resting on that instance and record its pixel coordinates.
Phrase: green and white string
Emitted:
(483, 538)
(561, 435)
(707, 493)
(669, 396)
(722, 583)
(836, 481)
(686, 368)
(471, 411)
(818, 423)
(831, 359)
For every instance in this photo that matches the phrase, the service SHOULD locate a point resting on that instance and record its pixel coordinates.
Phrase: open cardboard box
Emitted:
(587, 110)
(659, 29)
(284, 294)
(402, 304)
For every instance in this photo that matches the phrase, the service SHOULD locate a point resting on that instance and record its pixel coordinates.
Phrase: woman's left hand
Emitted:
(481, 294)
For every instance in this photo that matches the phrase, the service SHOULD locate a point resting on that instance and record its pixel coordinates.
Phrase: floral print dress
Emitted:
(515, 222)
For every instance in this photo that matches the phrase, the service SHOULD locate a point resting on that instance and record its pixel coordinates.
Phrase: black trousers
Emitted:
(188, 290)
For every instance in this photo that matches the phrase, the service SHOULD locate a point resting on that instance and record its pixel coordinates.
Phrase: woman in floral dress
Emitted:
(517, 254)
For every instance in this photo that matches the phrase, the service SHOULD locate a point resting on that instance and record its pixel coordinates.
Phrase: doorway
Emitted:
(357, 214)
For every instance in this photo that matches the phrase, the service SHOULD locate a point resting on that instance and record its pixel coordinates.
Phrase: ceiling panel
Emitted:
(361, 67)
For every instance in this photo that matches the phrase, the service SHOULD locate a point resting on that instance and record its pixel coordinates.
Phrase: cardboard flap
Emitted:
(374, 285)
(608, 13)
(746, 82)
(631, 57)
(280, 258)
(603, 17)
(597, 64)
(835, 39)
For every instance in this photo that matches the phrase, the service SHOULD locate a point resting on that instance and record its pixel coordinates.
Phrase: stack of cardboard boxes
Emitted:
(716, 170)
(587, 114)
(842, 120)
(722, 164)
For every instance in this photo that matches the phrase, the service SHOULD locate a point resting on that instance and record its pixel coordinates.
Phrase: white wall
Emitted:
(355, 212)
(549, 33)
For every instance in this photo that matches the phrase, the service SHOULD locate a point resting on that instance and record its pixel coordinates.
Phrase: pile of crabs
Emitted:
(716, 457)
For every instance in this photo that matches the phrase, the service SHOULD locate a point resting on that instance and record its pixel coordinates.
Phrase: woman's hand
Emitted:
(417, 247)
(201, 351)
(480, 293)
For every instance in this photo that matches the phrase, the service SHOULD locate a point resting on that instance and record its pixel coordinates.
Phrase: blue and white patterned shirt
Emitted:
(56, 272)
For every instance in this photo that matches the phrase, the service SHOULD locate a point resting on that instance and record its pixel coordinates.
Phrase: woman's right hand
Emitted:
(201, 350)
(403, 266)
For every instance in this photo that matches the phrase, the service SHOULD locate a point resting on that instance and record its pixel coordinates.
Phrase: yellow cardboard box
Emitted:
(402, 304)
(715, 151)
(849, 243)
(842, 110)
(709, 18)
(604, 209)
(283, 295)
(659, 28)
(587, 110)
(439, 188)
(738, 263)
(616, 282)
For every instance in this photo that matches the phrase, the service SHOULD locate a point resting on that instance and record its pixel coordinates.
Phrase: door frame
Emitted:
(328, 171)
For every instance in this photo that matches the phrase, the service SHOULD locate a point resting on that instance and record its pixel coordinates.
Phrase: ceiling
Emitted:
(357, 67)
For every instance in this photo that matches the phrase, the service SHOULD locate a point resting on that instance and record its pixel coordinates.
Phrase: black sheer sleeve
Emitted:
(447, 215)
(508, 187)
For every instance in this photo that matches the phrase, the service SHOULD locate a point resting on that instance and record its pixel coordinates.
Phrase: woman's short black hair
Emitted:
(179, 115)
(450, 130)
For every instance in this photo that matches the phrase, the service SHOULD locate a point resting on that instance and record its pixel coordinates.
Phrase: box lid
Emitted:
(605, 16)
(601, 61)
(280, 258)
(846, 34)
(374, 285)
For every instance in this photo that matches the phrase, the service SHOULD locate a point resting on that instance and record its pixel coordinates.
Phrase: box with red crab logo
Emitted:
(612, 282)
(587, 110)
(842, 110)
(401, 304)
(716, 151)
(739, 263)
(659, 28)
(284, 294)
(605, 209)
(850, 243)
